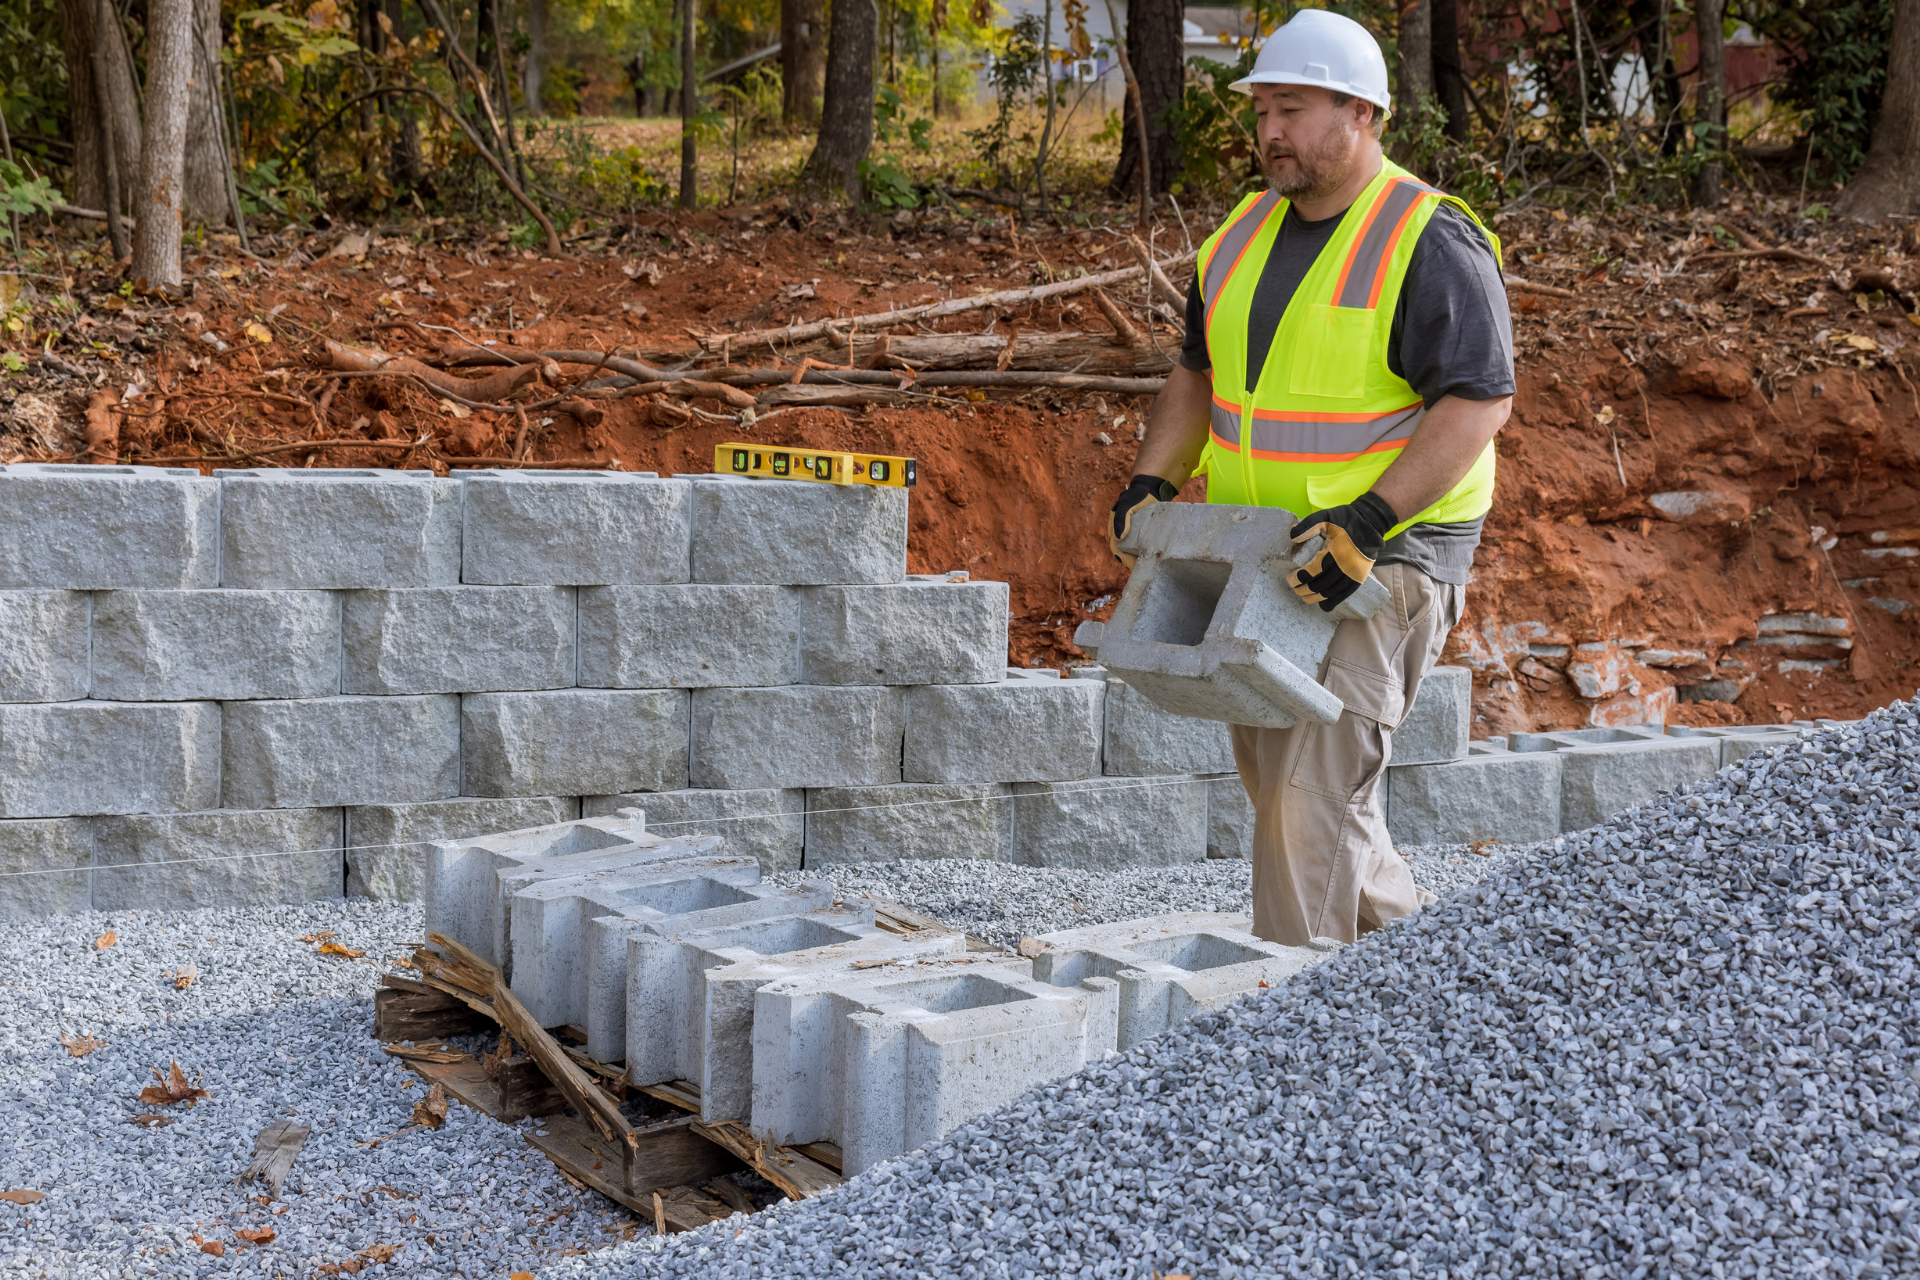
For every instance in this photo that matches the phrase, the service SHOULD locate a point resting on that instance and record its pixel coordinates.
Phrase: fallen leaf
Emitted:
(23, 1197)
(258, 332)
(264, 1235)
(215, 1248)
(335, 949)
(80, 1046)
(173, 1087)
(150, 1121)
(351, 1266)
(183, 976)
(453, 410)
(321, 936)
(380, 1252)
(521, 1275)
(105, 940)
(1483, 847)
(1605, 416)
(351, 245)
(431, 1110)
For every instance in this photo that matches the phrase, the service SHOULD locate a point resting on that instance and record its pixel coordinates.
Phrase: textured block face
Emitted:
(1111, 824)
(296, 529)
(909, 821)
(796, 736)
(101, 527)
(457, 640)
(387, 844)
(688, 637)
(1596, 783)
(66, 758)
(35, 857)
(340, 751)
(1021, 729)
(796, 533)
(1143, 741)
(574, 742)
(575, 528)
(906, 633)
(767, 824)
(172, 646)
(226, 858)
(1508, 796)
(1434, 730)
(1229, 818)
(44, 655)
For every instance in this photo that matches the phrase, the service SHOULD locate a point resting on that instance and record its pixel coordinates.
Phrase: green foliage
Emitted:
(888, 184)
(1215, 126)
(577, 164)
(1015, 71)
(33, 81)
(1836, 71)
(21, 192)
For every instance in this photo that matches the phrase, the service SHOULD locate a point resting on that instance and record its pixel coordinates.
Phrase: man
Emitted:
(1349, 354)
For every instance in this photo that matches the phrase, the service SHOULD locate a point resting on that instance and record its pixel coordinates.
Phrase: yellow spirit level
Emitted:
(734, 458)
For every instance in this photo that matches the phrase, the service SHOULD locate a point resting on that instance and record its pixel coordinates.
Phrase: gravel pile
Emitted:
(1680, 1044)
(270, 1028)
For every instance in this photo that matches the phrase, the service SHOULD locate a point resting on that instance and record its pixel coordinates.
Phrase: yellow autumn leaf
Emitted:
(1605, 416)
(308, 55)
(1861, 343)
(258, 332)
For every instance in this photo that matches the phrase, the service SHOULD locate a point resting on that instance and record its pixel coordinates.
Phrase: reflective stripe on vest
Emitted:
(1315, 437)
(1232, 246)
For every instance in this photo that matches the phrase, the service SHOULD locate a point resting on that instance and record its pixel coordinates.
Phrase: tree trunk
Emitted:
(81, 35)
(1709, 17)
(1416, 66)
(1663, 78)
(1449, 78)
(156, 240)
(689, 108)
(1156, 46)
(534, 79)
(803, 61)
(846, 113)
(1888, 180)
(407, 163)
(206, 160)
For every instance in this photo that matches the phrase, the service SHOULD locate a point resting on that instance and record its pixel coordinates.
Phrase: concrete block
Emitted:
(45, 867)
(1734, 750)
(175, 646)
(797, 533)
(1110, 824)
(573, 742)
(690, 998)
(767, 824)
(575, 528)
(387, 844)
(294, 528)
(1738, 741)
(905, 633)
(97, 527)
(1022, 728)
(1170, 968)
(340, 751)
(1141, 740)
(1598, 782)
(909, 821)
(692, 637)
(45, 656)
(1207, 625)
(457, 640)
(796, 736)
(1229, 817)
(60, 759)
(223, 858)
(1512, 797)
(1434, 728)
(1576, 739)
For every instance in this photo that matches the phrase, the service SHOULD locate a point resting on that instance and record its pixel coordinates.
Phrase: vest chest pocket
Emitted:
(1330, 352)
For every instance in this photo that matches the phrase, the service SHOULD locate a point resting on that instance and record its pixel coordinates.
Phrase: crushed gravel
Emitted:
(1684, 1043)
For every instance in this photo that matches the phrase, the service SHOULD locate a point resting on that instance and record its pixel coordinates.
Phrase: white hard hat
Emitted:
(1323, 49)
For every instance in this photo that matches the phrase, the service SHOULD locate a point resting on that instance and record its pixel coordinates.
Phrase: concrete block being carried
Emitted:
(1208, 627)
(1170, 968)
(797, 533)
(904, 633)
(575, 528)
(302, 529)
(86, 527)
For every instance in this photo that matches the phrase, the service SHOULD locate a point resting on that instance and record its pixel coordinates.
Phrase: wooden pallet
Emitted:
(799, 1171)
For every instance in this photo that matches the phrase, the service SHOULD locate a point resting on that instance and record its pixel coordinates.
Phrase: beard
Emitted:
(1318, 169)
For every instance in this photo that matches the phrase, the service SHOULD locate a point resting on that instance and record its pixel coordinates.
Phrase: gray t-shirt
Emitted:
(1452, 335)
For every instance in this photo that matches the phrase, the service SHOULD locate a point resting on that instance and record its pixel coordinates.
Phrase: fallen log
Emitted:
(487, 387)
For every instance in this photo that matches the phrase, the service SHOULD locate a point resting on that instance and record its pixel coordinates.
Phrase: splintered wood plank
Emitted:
(401, 1014)
(684, 1094)
(274, 1149)
(825, 1153)
(669, 1155)
(895, 918)
(466, 1081)
(795, 1174)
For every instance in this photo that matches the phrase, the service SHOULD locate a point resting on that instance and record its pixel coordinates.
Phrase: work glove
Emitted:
(1141, 492)
(1354, 533)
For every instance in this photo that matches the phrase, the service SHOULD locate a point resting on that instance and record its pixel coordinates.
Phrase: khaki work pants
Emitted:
(1323, 864)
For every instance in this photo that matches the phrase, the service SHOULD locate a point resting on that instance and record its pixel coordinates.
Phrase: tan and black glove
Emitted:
(1141, 492)
(1355, 534)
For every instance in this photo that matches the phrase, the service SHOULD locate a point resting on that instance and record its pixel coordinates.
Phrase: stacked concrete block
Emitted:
(1434, 728)
(1169, 968)
(690, 637)
(172, 646)
(796, 736)
(796, 533)
(298, 529)
(306, 752)
(59, 759)
(457, 640)
(1026, 728)
(573, 742)
(1606, 771)
(575, 528)
(1108, 824)
(909, 822)
(1491, 794)
(1738, 741)
(905, 633)
(767, 824)
(690, 998)
(1229, 817)
(90, 528)
(45, 867)
(45, 655)
(387, 844)
(226, 857)
(1141, 740)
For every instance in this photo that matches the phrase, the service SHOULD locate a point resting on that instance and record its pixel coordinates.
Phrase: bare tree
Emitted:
(846, 113)
(1157, 52)
(803, 60)
(1709, 29)
(206, 162)
(1416, 67)
(1888, 181)
(94, 104)
(689, 108)
(1449, 78)
(534, 79)
(157, 204)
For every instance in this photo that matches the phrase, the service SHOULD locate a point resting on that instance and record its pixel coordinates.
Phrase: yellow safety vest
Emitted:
(1327, 415)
